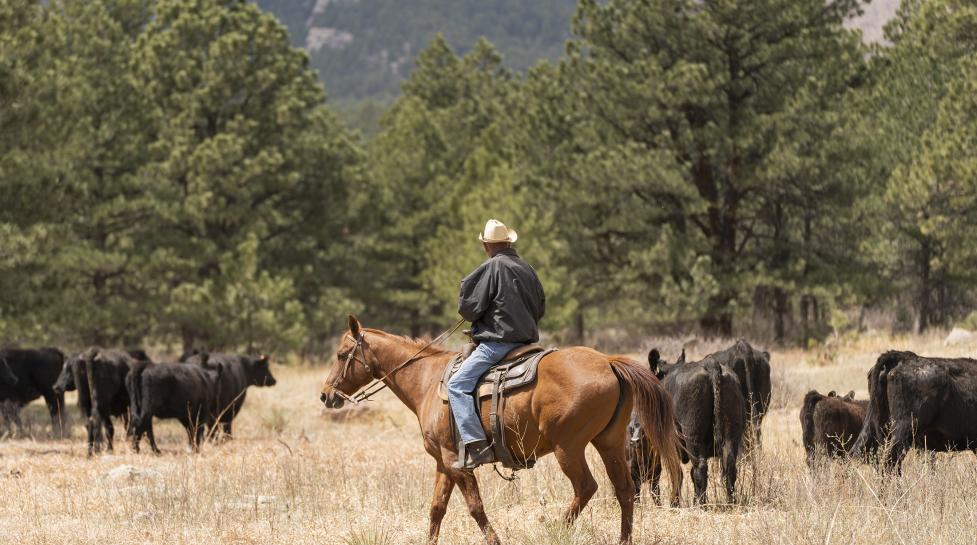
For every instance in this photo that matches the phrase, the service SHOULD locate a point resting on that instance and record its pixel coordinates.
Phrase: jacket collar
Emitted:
(508, 251)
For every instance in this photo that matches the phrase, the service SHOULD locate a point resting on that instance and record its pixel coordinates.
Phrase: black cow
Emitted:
(830, 423)
(752, 368)
(34, 372)
(99, 375)
(929, 403)
(237, 373)
(172, 390)
(710, 412)
(7, 376)
(139, 354)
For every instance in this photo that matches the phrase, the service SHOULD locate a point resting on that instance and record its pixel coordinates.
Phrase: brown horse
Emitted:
(581, 396)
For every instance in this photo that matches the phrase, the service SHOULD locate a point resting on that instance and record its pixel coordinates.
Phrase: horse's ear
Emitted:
(850, 396)
(681, 358)
(354, 326)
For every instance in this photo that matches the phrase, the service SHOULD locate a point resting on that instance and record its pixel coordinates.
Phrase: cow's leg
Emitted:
(109, 431)
(639, 471)
(465, 480)
(443, 485)
(152, 438)
(730, 452)
(135, 435)
(574, 466)
(700, 478)
(226, 426)
(55, 406)
(126, 420)
(902, 437)
(11, 411)
(615, 460)
(93, 445)
(199, 432)
(656, 474)
(95, 435)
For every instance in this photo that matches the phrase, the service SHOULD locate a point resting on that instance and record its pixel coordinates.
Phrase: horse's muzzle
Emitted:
(331, 400)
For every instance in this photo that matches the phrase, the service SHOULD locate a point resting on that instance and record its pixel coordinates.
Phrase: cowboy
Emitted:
(504, 301)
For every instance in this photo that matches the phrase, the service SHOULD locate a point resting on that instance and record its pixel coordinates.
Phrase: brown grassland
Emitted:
(297, 474)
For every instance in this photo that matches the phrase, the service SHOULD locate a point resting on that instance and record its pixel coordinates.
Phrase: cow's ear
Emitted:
(766, 356)
(681, 358)
(354, 326)
(654, 358)
(850, 396)
(832, 393)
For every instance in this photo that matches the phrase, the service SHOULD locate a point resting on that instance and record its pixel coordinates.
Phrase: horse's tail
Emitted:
(656, 414)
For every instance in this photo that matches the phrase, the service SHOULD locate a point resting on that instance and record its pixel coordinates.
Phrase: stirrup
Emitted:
(469, 460)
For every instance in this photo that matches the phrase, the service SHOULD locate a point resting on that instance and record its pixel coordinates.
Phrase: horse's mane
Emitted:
(418, 344)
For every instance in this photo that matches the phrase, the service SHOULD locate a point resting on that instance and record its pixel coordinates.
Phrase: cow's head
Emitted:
(187, 354)
(7, 375)
(353, 370)
(259, 371)
(659, 366)
(66, 380)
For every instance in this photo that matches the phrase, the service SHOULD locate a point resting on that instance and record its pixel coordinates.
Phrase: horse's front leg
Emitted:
(443, 485)
(469, 488)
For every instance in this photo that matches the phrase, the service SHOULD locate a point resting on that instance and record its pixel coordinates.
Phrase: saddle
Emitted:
(516, 370)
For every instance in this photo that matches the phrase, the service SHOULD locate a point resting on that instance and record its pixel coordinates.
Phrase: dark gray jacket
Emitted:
(503, 300)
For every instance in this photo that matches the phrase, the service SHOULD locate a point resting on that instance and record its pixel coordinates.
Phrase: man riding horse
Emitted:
(504, 301)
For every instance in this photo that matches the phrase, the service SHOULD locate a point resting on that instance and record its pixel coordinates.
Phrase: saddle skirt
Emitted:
(517, 372)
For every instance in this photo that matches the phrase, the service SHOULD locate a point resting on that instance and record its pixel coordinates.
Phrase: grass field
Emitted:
(296, 474)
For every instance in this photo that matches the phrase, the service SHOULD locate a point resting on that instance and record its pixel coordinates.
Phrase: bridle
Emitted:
(378, 383)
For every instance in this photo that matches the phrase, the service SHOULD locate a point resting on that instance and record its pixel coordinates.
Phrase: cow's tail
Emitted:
(716, 380)
(136, 398)
(656, 414)
(751, 396)
(92, 389)
(877, 412)
(807, 420)
(881, 401)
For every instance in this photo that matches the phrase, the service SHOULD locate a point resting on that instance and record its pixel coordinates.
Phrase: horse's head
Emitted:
(355, 362)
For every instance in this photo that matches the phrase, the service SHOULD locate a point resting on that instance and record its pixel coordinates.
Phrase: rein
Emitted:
(379, 384)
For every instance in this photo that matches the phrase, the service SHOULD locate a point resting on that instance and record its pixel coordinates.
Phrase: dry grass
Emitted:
(298, 475)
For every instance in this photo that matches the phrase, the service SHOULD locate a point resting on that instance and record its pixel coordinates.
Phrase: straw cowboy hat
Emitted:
(496, 231)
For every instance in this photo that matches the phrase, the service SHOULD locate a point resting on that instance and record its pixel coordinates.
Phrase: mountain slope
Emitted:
(363, 48)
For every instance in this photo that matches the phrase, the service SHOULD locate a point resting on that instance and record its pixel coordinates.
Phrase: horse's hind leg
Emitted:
(614, 455)
(574, 466)
(469, 488)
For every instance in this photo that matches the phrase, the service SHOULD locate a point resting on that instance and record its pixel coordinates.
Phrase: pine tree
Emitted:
(246, 159)
(684, 106)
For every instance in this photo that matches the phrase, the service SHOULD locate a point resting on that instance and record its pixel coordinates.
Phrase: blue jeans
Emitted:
(462, 385)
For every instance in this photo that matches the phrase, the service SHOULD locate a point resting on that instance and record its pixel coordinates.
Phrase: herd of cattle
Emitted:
(203, 391)
(720, 401)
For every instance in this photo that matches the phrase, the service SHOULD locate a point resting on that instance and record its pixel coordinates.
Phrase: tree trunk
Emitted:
(780, 310)
(189, 338)
(581, 333)
(923, 306)
(415, 323)
(718, 321)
